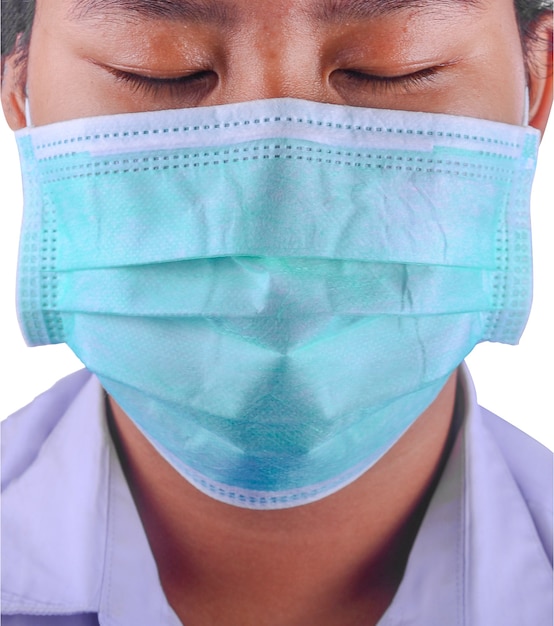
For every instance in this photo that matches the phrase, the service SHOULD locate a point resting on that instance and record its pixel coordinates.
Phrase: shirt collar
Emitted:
(78, 530)
(75, 516)
(477, 559)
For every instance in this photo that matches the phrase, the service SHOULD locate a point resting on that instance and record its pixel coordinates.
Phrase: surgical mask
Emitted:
(274, 291)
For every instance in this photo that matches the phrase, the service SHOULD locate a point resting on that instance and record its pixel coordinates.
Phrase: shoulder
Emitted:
(55, 476)
(24, 432)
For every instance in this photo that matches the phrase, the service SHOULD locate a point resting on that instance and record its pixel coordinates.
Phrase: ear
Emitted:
(540, 74)
(13, 90)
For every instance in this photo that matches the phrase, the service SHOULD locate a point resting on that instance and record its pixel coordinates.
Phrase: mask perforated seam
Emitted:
(279, 120)
(40, 324)
(48, 275)
(499, 284)
(233, 495)
(29, 251)
(401, 163)
(511, 296)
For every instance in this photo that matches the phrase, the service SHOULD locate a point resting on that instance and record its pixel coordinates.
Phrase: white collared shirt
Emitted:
(74, 552)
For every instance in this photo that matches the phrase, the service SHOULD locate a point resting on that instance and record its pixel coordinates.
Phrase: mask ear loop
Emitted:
(28, 120)
(526, 105)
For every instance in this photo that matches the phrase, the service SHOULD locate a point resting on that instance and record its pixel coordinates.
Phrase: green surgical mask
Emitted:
(274, 291)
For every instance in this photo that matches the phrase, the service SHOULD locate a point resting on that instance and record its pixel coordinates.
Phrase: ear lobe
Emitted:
(540, 75)
(13, 91)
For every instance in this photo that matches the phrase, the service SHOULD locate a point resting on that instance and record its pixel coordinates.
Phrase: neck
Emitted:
(335, 561)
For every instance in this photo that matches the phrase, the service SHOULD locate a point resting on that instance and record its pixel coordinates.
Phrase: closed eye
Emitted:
(196, 83)
(406, 83)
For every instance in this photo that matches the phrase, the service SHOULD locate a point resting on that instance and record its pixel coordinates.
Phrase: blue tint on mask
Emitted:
(274, 291)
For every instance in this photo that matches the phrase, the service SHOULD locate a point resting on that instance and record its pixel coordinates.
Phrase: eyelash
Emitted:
(389, 83)
(174, 86)
(198, 81)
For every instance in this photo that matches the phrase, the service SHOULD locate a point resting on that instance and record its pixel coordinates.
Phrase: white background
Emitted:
(514, 382)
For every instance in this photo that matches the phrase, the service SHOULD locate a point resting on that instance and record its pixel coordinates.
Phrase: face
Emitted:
(94, 57)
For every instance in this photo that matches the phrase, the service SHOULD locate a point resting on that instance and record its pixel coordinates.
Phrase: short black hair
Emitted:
(528, 11)
(17, 21)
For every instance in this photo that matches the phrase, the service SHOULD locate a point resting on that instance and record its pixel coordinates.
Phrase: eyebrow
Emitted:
(221, 13)
(210, 11)
(341, 10)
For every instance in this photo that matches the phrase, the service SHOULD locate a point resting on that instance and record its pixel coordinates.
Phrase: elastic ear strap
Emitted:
(28, 113)
(526, 105)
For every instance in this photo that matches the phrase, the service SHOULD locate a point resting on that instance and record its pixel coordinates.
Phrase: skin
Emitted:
(337, 561)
